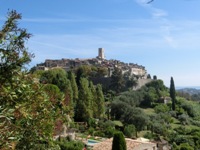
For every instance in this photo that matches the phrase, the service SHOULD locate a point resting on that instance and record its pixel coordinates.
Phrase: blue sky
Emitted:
(163, 36)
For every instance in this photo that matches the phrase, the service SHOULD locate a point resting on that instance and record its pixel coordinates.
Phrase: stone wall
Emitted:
(141, 82)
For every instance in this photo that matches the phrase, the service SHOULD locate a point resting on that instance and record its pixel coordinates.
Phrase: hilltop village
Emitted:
(100, 61)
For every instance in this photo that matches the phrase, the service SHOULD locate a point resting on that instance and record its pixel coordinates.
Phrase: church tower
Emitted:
(101, 53)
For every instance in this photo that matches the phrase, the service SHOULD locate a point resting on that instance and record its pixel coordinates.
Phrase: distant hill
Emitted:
(189, 93)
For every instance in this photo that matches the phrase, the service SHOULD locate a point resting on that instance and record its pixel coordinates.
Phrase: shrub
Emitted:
(109, 132)
(72, 145)
(119, 142)
(130, 131)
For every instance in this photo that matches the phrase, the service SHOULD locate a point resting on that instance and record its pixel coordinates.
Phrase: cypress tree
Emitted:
(119, 142)
(74, 86)
(68, 102)
(173, 93)
(100, 101)
(94, 98)
(83, 108)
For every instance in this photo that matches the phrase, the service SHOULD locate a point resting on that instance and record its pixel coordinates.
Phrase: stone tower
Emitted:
(101, 53)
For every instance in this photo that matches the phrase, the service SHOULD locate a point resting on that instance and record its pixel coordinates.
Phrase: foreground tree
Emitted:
(119, 142)
(173, 93)
(26, 112)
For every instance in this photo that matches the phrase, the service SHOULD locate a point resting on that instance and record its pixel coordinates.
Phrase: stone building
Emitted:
(100, 61)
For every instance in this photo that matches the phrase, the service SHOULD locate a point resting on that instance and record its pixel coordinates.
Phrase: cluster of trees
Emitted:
(35, 105)
(83, 99)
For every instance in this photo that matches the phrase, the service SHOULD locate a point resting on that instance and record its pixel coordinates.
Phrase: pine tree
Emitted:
(173, 93)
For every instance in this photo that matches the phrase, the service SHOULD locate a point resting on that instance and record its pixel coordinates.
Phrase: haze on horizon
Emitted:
(163, 36)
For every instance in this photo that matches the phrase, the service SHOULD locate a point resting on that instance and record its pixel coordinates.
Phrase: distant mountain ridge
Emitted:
(190, 91)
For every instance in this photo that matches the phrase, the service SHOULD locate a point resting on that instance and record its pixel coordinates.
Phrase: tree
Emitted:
(68, 102)
(82, 72)
(13, 54)
(54, 94)
(26, 112)
(119, 142)
(130, 131)
(74, 85)
(55, 76)
(117, 80)
(94, 99)
(100, 101)
(148, 76)
(173, 93)
(83, 110)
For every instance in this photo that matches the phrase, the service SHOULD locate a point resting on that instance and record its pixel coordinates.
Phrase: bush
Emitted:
(119, 142)
(130, 131)
(99, 133)
(149, 135)
(161, 108)
(72, 145)
(185, 146)
(91, 130)
(109, 132)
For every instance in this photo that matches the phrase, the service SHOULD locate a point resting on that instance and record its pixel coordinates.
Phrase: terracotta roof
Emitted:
(131, 145)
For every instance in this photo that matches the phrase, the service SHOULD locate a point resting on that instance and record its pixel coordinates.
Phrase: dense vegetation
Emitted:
(35, 105)
(119, 142)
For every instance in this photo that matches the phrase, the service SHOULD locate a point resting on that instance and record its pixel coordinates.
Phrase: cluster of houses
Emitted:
(99, 61)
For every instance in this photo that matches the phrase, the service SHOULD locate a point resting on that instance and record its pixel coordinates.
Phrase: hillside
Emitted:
(190, 93)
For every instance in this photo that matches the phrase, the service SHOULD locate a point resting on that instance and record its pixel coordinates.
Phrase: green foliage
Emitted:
(119, 142)
(73, 85)
(70, 145)
(82, 72)
(173, 93)
(154, 77)
(152, 92)
(109, 132)
(102, 71)
(100, 102)
(161, 108)
(83, 110)
(132, 98)
(13, 54)
(148, 76)
(159, 123)
(28, 111)
(130, 115)
(130, 131)
(94, 103)
(149, 135)
(185, 146)
(68, 103)
(184, 119)
(117, 81)
(54, 94)
(56, 76)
